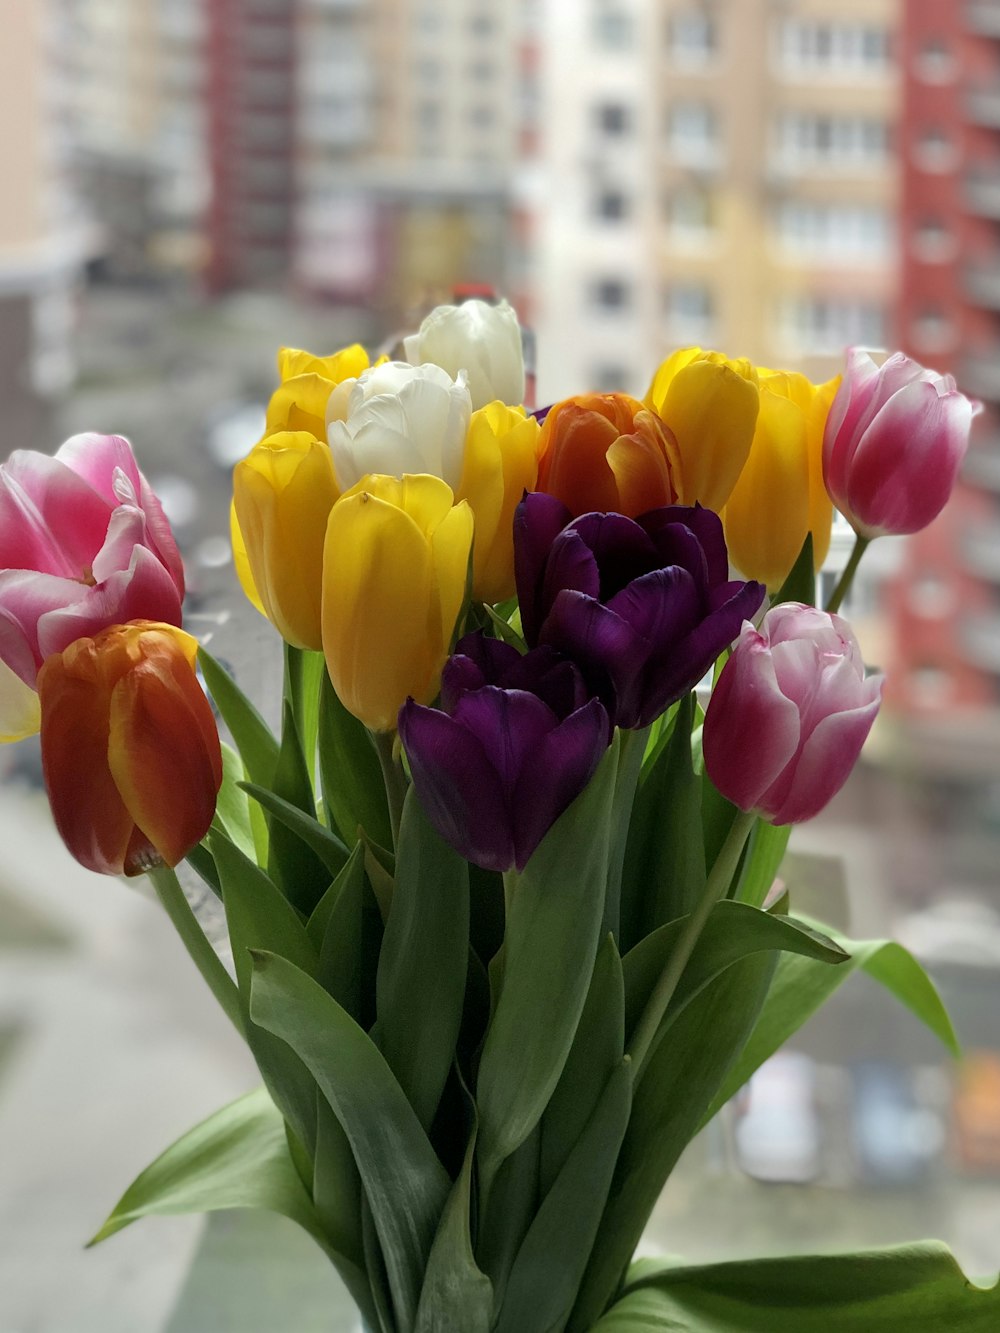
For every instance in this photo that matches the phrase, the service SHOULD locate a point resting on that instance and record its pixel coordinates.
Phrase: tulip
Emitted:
(709, 405)
(299, 402)
(895, 438)
(283, 492)
(779, 497)
(19, 712)
(395, 568)
(643, 607)
(606, 452)
(396, 419)
(515, 741)
(84, 543)
(500, 464)
(789, 714)
(481, 339)
(130, 750)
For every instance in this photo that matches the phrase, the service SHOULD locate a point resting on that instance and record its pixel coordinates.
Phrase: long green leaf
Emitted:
(405, 1184)
(329, 849)
(337, 929)
(546, 1276)
(424, 961)
(292, 863)
(253, 737)
(916, 1288)
(800, 585)
(801, 985)
(551, 942)
(456, 1293)
(351, 777)
(232, 809)
(765, 851)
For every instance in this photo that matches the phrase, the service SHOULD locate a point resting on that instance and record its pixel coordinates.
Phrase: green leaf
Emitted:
(456, 1294)
(304, 673)
(547, 1272)
(665, 868)
(424, 960)
(553, 925)
(762, 862)
(678, 1081)
(916, 1288)
(254, 739)
(801, 985)
(237, 1158)
(336, 1185)
(733, 931)
(505, 630)
(632, 748)
(351, 777)
(337, 927)
(800, 585)
(292, 864)
(259, 917)
(326, 845)
(597, 1050)
(405, 1184)
(232, 809)
(202, 862)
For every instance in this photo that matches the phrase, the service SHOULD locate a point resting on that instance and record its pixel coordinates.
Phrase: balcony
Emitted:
(980, 640)
(982, 105)
(982, 190)
(983, 17)
(982, 465)
(979, 374)
(981, 280)
(980, 549)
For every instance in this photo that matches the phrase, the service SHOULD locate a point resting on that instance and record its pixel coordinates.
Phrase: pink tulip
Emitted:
(84, 544)
(789, 714)
(895, 438)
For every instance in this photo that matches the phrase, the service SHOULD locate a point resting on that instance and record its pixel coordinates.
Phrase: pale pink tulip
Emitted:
(895, 438)
(789, 714)
(84, 544)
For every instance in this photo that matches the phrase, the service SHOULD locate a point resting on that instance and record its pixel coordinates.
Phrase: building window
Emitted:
(693, 130)
(933, 242)
(810, 139)
(613, 118)
(690, 312)
(932, 330)
(935, 150)
(611, 205)
(935, 61)
(807, 46)
(481, 25)
(825, 326)
(849, 233)
(691, 214)
(693, 38)
(612, 27)
(482, 116)
(610, 294)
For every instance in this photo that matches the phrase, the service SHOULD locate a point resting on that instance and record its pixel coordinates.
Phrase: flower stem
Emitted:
(847, 578)
(393, 777)
(716, 887)
(206, 960)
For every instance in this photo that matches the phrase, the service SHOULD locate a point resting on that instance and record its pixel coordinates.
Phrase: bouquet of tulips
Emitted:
(500, 889)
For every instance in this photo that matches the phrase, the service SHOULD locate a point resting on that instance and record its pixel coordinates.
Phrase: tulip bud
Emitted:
(643, 608)
(299, 402)
(606, 453)
(515, 741)
(481, 339)
(395, 568)
(895, 438)
(283, 492)
(779, 497)
(501, 463)
(789, 714)
(709, 405)
(130, 749)
(396, 419)
(84, 543)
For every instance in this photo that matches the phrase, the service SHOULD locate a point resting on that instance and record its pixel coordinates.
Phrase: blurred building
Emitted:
(41, 243)
(718, 173)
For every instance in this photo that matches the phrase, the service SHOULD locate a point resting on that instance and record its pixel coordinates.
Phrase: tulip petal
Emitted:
(19, 709)
(703, 524)
(562, 764)
(458, 787)
(622, 549)
(50, 519)
(608, 651)
(828, 756)
(575, 466)
(571, 564)
(25, 599)
(711, 411)
(538, 520)
(510, 725)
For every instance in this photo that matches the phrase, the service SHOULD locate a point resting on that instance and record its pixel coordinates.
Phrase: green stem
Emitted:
(716, 888)
(847, 578)
(206, 960)
(393, 777)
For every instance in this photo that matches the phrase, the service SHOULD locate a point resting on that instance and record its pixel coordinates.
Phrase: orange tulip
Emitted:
(605, 452)
(130, 750)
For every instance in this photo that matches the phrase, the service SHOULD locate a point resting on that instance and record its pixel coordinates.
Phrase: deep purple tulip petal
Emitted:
(476, 661)
(557, 772)
(457, 785)
(705, 524)
(622, 549)
(607, 650)
(662, 606)
(538, 520)
(509, 724)
(552, 677)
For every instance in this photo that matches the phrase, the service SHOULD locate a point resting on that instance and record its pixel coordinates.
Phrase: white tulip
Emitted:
(483, 340)
(397, 418)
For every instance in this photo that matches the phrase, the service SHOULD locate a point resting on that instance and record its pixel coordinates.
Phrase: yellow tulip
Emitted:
(499, 465)
(780, 496)
(395, 569)
(709, 404)
(283, 492)
(299, 402)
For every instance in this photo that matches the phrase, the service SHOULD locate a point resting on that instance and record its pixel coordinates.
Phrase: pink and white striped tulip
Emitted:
(894, 441)
(789, 714)
(84, 544)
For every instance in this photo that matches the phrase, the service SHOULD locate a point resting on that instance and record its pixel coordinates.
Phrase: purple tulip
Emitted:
(643, 606)
(789, 714)
(515, 740)
(894, 440)
(84, 544)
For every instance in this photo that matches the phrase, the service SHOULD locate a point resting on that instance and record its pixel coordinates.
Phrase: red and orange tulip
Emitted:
(130, 748)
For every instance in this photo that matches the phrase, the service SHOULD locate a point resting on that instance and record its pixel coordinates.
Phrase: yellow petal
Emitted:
(710, 409)
(19, 712)
(820, 504)
(241, 561)
(347, 363)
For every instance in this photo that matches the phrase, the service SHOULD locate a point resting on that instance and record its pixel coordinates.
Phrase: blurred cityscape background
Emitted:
(190, 183)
